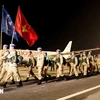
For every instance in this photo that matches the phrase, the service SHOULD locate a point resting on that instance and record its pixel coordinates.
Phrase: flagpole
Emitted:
(12, 38)
(1, 31)
(1, 41)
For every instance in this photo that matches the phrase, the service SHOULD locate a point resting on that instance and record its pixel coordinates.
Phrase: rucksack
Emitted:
(35, 62)
(64, 61)
(19, 59)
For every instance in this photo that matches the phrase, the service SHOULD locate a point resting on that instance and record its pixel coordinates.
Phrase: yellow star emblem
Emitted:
(24, 28)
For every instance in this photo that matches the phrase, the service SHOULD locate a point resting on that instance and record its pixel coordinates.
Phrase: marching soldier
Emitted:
(80, 63)
(91, 62)
(30, 65)
(40, 64)
(5, 62)
(46, 66)
(73, 64)
(95, 63)
(59, 65)
(52, 65)
(13, 68)
(85, 64)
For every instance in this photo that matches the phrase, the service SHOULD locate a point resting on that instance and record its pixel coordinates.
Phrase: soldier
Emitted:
(85, 64)
(52, 65)
(30, 65)
(46, 66)
(91, 62)
(80, 63)
(20, 59)
(59, 65)
(95, 63)
(73, 64)
(13, 68)
(5, 63)
(40, 64)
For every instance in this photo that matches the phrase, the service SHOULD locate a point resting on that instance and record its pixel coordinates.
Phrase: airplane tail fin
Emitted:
(68, 47)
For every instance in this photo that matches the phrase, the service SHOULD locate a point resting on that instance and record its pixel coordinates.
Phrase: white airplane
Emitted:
(66, 52)
(50, 53)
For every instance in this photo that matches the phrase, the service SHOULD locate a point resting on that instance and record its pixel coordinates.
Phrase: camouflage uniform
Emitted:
(80, 63)
(91, 62)
(59, 65)
(30, 65)
(73, 64)
(5, 64)
(85, 64)
(13, 68)
(95, 64)
(46, 66)
(40, 64)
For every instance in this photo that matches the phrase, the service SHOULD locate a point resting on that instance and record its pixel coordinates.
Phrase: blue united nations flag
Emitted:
(7, 25)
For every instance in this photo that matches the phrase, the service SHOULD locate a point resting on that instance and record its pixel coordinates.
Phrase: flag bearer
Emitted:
(13, 68)
(5, 62)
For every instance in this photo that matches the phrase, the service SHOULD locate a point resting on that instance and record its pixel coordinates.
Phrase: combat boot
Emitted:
(35, 77)
(39, 82)
(4, 84)
(49, 77)
(45, 78)
(19, 84)
(12, 82)
(27, 79)
(58, 78)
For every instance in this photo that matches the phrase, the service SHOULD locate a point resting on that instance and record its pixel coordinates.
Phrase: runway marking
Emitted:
(78, 93)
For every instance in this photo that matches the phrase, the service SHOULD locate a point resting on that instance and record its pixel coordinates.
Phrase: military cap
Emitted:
(39, 48)
(12, 45)
(90, 52)
(30, 51)
(73, 51)
(58, 50)
(5, 45)
(84, 52)
(45, 52)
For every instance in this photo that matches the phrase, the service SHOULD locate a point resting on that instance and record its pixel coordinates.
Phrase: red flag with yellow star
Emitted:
(24, 29)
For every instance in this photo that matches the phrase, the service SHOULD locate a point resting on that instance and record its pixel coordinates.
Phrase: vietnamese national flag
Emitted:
(24, 29)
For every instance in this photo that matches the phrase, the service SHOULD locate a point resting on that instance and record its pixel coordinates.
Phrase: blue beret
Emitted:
(29, 51)
(39, 48)
(58, 50)
(45, 52)
(84, 52)
(73, 52)
(5, 45)
(12, 45)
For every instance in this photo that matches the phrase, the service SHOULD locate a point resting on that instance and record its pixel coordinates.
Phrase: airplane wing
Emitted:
(94, 49)
(80, 51)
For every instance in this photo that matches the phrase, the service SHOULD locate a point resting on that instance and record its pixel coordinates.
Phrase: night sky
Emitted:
(57, 23)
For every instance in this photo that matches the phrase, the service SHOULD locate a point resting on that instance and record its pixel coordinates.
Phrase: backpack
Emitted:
(35, 62)
(64, 61)
(19, 59)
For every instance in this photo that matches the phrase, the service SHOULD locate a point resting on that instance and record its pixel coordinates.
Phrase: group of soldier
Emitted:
(10, 62)
(87, 64)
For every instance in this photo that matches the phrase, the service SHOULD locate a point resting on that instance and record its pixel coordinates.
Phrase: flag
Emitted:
(7, 25)
(24, 29)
